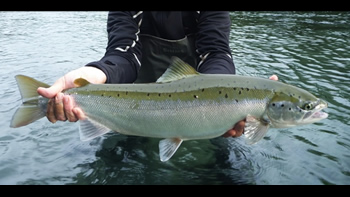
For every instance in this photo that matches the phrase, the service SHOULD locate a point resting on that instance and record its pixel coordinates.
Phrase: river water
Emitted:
(306, 49)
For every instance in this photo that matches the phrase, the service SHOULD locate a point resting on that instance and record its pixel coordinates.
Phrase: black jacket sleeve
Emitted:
(121, 61)
(212, 42)
(123, 53)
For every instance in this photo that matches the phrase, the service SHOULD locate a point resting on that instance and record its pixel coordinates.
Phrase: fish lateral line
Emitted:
(182, 103)
(199, 93)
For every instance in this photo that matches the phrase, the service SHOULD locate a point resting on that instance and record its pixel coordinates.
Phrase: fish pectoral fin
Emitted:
(167, 147)
(89, 129)
(255, 129)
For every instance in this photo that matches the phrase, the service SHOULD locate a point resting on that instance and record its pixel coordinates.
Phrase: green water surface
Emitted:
(306, 49)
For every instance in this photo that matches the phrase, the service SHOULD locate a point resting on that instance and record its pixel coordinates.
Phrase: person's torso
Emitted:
(171, 25)
(163, 35)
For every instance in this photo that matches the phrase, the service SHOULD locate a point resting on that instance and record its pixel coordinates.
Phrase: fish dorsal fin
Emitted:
(80, 82)
(90, 129)
(255, 129)
(178, 69)
(167, 148)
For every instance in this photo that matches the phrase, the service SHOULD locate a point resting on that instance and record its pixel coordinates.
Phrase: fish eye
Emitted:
(307, 106)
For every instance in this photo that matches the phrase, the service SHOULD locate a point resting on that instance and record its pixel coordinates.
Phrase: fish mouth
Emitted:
(319, 115)
(316, 114)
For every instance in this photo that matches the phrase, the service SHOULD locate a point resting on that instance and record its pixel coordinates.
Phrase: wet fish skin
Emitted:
(181, 105)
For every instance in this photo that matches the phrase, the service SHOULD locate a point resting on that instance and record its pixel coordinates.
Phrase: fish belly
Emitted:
(191, 119)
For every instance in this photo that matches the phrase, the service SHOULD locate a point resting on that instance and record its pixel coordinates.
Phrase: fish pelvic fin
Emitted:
(255, 129)
(33, 105)
(178, 69)
(167, 148)
(90, 129)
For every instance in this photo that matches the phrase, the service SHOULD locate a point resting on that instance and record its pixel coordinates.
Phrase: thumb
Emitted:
(52, 91)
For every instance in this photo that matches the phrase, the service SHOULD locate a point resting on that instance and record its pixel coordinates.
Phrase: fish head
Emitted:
(297, 107)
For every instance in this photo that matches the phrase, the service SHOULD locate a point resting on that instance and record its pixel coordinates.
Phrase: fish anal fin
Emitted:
(167, 148)
(178, 69)
(89, 129)
(255, 129)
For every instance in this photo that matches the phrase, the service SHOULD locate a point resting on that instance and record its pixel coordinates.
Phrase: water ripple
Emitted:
(306, 49)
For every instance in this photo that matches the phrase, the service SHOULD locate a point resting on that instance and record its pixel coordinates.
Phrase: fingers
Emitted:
(59, 106)
(52, 91)
(230, 133)
(50, 113)
(55, 109)
(62, 108)
(59, 111)
(68, 108)
(274, 77)
(237, 130)
(79, 113)
(239, 127)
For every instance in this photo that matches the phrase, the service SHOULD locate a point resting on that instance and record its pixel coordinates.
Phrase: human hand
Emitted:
(61, 107)
(238, 129)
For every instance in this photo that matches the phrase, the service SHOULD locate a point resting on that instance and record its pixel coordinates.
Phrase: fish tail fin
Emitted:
(33, 106)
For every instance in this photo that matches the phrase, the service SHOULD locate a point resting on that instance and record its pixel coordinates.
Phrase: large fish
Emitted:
(182, 105)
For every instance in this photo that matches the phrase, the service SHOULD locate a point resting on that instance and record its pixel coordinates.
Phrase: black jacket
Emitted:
(121, 61)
